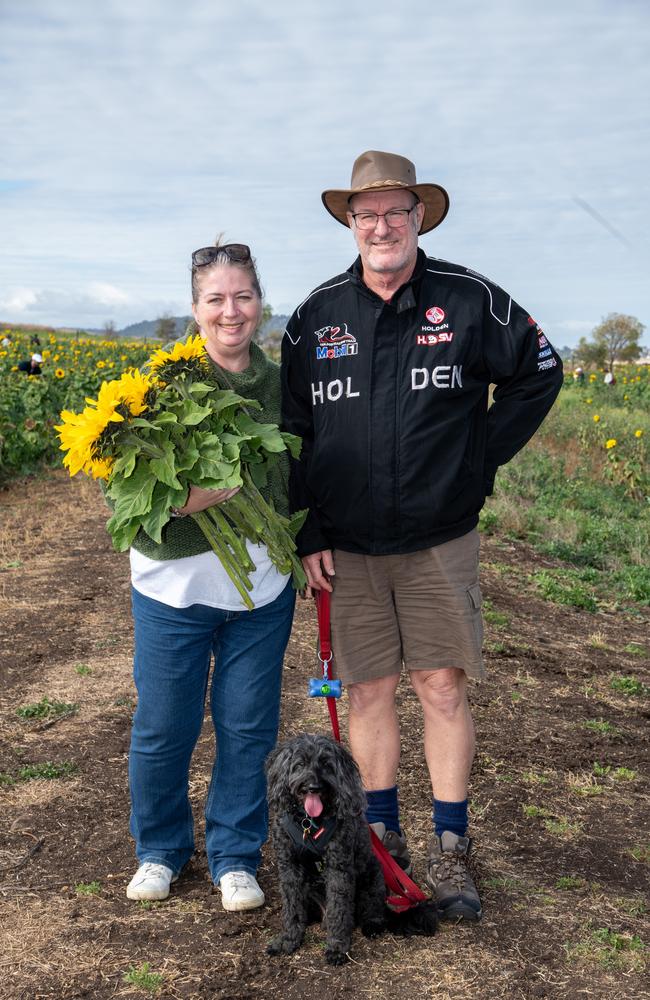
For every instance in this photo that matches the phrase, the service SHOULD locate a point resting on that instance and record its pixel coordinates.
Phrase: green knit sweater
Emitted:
(182, 536)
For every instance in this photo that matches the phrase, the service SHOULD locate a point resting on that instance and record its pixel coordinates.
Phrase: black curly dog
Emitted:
(326, 864)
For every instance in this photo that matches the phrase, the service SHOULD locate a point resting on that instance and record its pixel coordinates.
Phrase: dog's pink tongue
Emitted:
(313, 805)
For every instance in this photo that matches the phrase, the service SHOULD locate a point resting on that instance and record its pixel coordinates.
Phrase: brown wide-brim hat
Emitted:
(376, 171)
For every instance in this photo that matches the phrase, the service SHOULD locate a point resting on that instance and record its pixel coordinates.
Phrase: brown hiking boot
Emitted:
(448, 874)
(395, 845)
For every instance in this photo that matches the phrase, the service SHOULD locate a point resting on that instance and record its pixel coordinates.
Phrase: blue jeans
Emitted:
(173, 649)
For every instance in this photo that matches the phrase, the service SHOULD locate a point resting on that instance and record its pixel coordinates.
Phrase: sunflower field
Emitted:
(580, 490)
(74, 366)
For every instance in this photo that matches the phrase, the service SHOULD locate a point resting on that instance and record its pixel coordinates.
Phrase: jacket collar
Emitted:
(405, 296)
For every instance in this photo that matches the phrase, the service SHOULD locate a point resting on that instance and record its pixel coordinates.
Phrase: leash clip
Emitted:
(307, 826)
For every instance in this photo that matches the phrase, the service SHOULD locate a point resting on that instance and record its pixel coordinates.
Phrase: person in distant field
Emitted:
(609, 378)
(6, 341)
(386, 373)
(579, 375)
(33, 366)
(35, 340)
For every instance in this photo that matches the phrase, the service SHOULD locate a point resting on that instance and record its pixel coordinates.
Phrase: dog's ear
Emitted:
(270, 760)
(351, 799)
(277, 768)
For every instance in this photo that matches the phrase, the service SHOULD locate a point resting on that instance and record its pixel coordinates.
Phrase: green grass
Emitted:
(599, 726)
(559, 826)
(635, 649)
(82, 669)
(564, 586)
(624, 774)
(628, 685)
(47, 771)
(141, 977)
(600, 770)
(88, 888)
(562, 827)
(588, 790)
(570, 882)
(507, 882)
(492, 617)
(532, 812)
(572, 500)
(634, 907)
(46, 709)
(533, 778)
(610, 950)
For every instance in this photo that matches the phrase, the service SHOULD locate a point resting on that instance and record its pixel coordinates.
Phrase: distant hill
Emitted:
(146, 329)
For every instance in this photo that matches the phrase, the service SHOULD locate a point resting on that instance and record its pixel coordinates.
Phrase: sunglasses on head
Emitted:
(238, 253)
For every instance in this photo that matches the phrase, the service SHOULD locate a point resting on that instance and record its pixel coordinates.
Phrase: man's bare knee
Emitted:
(441, 691)
(373, 697)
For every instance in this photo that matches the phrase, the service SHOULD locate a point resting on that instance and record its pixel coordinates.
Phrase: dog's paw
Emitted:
(420, 920)
(282, 945)
(373, 928)
(334, 956)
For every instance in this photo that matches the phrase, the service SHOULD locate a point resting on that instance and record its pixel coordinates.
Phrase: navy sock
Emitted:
(450, 816)
(383, 807)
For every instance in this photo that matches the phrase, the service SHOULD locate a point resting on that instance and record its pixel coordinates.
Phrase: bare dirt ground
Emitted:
(562, 848)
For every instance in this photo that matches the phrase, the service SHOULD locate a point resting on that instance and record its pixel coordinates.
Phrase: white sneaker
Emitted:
(240, 891)
(151, 881)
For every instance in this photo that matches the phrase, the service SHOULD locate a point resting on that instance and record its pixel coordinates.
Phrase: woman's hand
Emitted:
(199, 499)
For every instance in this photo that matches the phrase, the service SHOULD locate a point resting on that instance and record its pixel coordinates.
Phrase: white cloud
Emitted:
(107, 295)
(19, 300)
(89, 307)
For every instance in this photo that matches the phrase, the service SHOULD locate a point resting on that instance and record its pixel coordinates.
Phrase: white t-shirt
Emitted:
(202, 579)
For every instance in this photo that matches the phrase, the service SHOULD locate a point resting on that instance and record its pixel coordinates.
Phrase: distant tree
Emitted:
(267, 315)
(272, 342)
(109, 329)
(588, 354)
(616, 338)
(165, 328)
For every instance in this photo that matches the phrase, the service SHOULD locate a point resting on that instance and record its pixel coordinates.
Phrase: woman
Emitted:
(187, 610)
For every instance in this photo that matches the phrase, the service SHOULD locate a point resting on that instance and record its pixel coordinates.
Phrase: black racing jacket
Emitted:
(391, 402)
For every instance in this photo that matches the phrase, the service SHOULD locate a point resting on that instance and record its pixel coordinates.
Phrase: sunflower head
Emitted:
(187, 358)
(136, 390)
(86, 436)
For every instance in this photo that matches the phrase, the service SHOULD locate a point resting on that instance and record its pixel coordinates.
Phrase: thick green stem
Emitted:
(238, 577)
(146, 446)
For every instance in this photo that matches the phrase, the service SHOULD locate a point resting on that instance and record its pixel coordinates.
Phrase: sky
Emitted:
(136, 130)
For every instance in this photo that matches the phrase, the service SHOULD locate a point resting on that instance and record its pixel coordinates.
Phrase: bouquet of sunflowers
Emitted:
(151, 435)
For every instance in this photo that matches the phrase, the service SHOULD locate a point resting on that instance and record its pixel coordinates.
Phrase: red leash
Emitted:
(404, 893)
(322, 599)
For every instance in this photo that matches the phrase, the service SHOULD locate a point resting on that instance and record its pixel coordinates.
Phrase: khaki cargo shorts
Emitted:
(422, 609)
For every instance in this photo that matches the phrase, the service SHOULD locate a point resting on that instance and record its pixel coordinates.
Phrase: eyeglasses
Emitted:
(396, 218)
(238, 253)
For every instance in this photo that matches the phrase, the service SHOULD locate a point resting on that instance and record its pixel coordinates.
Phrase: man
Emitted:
(386, 371)
(33, 366)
